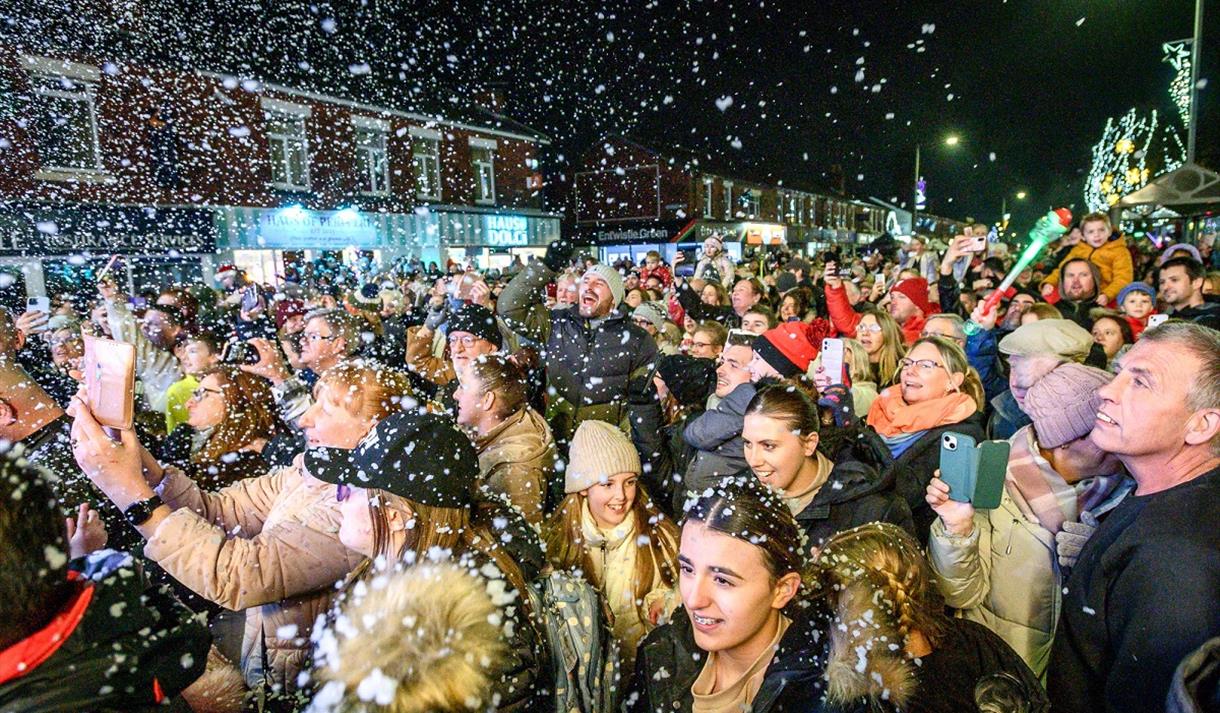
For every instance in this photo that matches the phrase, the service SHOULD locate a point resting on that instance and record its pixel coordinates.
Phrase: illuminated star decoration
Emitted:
(1177, 54)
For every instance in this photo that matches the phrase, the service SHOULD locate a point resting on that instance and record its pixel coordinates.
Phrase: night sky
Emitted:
(1031, 82)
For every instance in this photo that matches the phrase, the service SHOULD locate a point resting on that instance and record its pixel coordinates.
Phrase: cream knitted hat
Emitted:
(598, 451)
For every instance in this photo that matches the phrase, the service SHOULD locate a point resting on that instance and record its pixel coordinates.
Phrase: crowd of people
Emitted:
(580, 486)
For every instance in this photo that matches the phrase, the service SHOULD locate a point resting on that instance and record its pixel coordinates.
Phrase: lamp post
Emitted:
(1004, 208)
(950, 140)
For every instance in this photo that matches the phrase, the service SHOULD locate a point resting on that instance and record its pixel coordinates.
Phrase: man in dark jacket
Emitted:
(1181, 283)
(1143, 593)
(598, 364)
(1079, 282)
(81, 636)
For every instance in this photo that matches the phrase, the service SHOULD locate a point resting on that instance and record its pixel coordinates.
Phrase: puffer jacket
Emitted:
(854, 494)
(1113, 261)
(596, 369)
(813, 655)
(1005, 574)
(119, 644)
(716, 436)
(268, 545)
(516, 460)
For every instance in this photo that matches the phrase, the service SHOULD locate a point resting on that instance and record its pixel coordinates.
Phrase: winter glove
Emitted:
(1070, 540)
(558, 254)
(837, 398)
(436, 317)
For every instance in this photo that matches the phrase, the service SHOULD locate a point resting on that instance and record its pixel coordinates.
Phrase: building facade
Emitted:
(180, 171)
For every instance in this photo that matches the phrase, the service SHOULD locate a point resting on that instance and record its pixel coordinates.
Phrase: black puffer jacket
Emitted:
(133, 647)
(855, 494)
(916, 465)
(669, 661)
(598, 369)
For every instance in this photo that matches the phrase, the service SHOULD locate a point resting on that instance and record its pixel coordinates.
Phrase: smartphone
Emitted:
(110, 378)
(844, 272)
(990, 474)
(977, 244)
(1156, 320)
(974, 472)
(239, 352)
(832, 360)
(38, 304)
(958, 465)
(249, 299)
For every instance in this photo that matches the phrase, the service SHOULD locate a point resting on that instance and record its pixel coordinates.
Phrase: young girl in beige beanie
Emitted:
(608, 529)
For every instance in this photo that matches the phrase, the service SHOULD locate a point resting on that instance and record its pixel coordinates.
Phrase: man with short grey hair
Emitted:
(1144, 591)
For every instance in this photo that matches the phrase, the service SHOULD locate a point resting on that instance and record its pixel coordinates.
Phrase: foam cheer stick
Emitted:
(1048, 227)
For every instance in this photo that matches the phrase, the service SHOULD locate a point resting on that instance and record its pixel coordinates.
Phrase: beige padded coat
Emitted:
(516, 459)
(268, 545)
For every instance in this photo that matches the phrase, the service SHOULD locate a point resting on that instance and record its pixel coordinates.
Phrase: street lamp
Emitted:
(950, 140)
(1004, 208)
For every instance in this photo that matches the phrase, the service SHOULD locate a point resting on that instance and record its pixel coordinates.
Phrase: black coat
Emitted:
(855, 494)
(668, 662)
(915, 467)
(694, 306)
(132, 640)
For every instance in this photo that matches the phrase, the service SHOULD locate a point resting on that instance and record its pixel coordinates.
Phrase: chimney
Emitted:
(493, 97)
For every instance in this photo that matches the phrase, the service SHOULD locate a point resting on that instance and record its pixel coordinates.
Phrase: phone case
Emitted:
(990, 474)
(832, 360)
(958, 466)
(110, 380)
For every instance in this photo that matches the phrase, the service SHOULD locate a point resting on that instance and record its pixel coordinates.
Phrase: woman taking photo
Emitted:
(268, 545)
(407, 497)
(1001, 567)
(608, 529)
(514, 444)
(890, 620)
(744, 639)
(781, 447)
(937, 391)
(231, 420)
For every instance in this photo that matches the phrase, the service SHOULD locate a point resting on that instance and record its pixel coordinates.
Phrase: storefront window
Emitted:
(373, 160)
(289, 146)
(707, 197)
(65, 123)
(728, 200)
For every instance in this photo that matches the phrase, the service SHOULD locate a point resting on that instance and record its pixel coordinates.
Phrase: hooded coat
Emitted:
(716, 437)
(268, 545)
(1113, 261)
(854, 494)
(123, 646)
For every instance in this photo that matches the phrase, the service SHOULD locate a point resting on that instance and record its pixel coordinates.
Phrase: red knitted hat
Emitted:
(225, 270)
(790, 347)
(916, 289)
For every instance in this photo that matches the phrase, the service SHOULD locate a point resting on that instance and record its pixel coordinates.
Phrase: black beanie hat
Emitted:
(690, 379)
(477, 320)
(421, 457)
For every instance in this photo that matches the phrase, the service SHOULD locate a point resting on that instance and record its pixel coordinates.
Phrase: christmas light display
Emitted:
(1177, 54)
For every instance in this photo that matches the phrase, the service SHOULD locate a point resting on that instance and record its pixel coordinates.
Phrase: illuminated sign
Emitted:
(505, 230)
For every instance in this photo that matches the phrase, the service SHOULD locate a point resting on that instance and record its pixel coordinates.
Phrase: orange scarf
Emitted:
(891, 416)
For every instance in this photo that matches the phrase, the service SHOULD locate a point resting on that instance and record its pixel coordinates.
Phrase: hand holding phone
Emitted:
(976, 244)
(974, 473)
(110, 379)
(832, 361)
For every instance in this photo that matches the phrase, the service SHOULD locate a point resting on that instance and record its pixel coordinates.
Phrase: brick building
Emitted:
(181, 170)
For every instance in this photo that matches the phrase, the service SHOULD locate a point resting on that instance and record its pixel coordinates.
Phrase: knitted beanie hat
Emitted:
(654, 312)
(1063, 404)
(916, 290)
(477, 320)
(612, 278)
(599, 450)
(1136, 287)
(789, 347)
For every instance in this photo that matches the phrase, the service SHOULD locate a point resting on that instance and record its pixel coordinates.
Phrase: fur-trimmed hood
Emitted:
(426, 638)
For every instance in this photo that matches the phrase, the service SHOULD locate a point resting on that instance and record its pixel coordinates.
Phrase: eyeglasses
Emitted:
(343, 491)
(701, 345)
(950, 337)
(199, 394)
(866, 328)
(643, 323)
(925, 365)
(466, 341)
(315, 338)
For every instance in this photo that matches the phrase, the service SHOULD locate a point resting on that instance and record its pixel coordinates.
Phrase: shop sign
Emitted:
(506, 230)
(57, 230)
(324, 230)
(636, 233)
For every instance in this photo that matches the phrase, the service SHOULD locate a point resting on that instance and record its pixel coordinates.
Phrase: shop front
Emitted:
(64, 248)
(617, 242)
(492, 240)
(269, 243)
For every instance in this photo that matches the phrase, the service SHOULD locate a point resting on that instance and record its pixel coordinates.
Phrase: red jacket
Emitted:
(661, 272)
(845, 319)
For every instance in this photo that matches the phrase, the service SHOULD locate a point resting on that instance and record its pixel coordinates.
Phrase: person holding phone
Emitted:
(155, 337)
(1055, 479)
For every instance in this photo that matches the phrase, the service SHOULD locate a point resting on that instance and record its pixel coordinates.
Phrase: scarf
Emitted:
(891, 416)
(1043, 495)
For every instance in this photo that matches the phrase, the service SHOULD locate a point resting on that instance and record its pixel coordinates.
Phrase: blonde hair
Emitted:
(564, 538)
(956, 363)
(856, 357)
(892, 347)
(366, 390)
